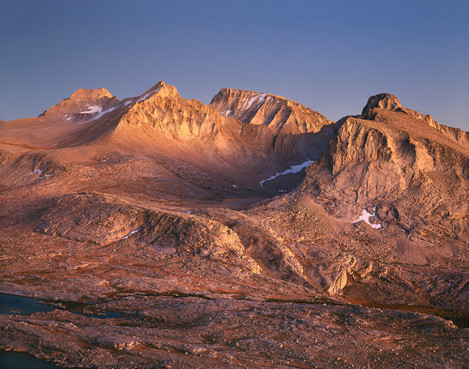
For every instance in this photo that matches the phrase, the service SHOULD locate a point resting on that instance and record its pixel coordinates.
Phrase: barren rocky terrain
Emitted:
(252, 232)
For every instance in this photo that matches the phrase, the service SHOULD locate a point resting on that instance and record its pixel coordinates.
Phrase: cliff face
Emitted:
(279, 114)
(300, 134)
(162, 109)
(400, 162)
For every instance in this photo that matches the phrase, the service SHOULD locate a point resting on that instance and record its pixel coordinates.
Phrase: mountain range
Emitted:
(249, 232)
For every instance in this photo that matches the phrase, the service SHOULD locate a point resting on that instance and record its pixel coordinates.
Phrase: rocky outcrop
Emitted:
(373, 110)
(389, 158)
(103, 219)
(279, 114)
(382, 101)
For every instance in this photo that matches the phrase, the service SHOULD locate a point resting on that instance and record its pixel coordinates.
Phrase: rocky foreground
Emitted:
(198, 226)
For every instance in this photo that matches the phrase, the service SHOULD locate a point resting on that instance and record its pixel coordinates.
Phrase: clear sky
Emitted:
(329, 55)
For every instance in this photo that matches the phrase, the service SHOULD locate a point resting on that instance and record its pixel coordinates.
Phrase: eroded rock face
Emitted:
(162, 109)
(90, 217)
(104, 220)
(279, 114)
(392, 161)
(299, 133)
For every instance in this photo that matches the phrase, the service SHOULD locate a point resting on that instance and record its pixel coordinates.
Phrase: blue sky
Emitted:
(328, 55)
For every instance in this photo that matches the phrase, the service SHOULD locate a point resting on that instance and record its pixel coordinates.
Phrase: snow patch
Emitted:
(40, 174)
(93, 109)
(36, 171)
(130, 234)
(227, 113)
(148, 95)
(259, 98)
(293, 169)
(103, 113)
(99, 115)
(366, 218)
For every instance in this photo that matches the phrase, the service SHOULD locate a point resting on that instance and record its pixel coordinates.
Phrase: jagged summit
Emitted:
(281, 115)
(162, 110)
(386, 107)
(236, 92)
(383, 101)
(163, 90)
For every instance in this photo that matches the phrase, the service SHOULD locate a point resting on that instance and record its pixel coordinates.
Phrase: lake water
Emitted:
(21, 360)
(11, 304)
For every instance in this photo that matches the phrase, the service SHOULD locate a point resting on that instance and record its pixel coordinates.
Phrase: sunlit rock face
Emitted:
(279, 114)
(389, 158)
